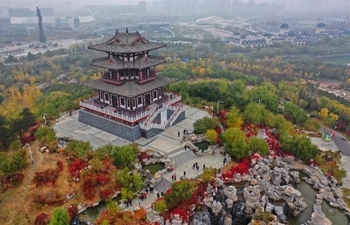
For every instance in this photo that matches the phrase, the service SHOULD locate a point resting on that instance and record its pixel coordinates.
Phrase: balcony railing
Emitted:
(145, 114)
(115, 113)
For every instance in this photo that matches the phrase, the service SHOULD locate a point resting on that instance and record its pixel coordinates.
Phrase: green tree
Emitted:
(160, 206)
(206, 123)
(254, 113)
(235, 144)
(233, 135)
(299, 145)
(7, 135)
(265, 94)
(45, 135)
(312, 124)
(182, 190)
(282, 124)
(127, 194)
(298, 114)
(125, 156)
(59, 217)
(258, 145)
(80, 149)
(21, 124)
(234, 118)
(239, 150)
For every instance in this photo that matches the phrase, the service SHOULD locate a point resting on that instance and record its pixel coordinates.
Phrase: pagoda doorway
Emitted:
(147, 98)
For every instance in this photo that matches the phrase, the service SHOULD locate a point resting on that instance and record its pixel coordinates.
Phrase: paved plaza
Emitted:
(167, 142)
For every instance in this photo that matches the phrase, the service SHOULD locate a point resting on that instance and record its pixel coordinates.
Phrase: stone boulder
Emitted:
(231, 193)
(295, 176)
(216, 207)
(251, 195)
(318, 217)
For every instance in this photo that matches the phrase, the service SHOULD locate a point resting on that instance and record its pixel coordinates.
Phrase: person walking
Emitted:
(184, 173)
(175, 176)
(197, 167)
(178, 133)
(172, 177)
(158, 195)
(185, 147)
(203, 167)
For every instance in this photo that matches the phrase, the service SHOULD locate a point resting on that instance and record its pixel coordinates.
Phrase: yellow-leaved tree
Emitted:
(323, 113)
(211, 135)
(334, 116)
(234, 118)
(15, 100)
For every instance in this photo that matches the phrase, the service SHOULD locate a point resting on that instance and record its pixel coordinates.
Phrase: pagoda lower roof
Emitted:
(116, 64)
(127, 43)
(129, 88)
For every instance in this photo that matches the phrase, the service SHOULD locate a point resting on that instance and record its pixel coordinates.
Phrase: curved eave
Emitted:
(125, 49)
(140, 63)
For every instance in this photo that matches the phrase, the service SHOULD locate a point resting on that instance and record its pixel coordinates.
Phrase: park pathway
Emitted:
(38, 160)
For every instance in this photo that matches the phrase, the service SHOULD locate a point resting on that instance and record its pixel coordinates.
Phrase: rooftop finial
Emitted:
(127, 32)
(116, 31)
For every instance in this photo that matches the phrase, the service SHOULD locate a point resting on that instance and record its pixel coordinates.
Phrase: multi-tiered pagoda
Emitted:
(131, 101)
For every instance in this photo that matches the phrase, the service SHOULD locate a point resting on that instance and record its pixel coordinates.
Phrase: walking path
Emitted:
(215, 161)
(38, 160)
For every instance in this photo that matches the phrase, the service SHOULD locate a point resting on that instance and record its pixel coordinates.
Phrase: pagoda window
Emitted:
(160, 93)
(128, 104)
(155, 96)
(122, 102)
(123, 77)
(114, 100)
(133, 75)
(107, 98)
(147, 73)
(139, 102)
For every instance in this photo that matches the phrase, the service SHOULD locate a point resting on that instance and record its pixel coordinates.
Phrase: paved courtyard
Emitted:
(167, 142)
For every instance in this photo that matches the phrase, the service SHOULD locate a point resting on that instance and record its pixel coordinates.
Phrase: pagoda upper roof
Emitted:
(127, 43)
(115, 63)
(130, 89)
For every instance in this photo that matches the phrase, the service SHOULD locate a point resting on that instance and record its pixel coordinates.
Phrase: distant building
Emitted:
(321, 28)
(66, 22)
(284, 29)
(27, 16)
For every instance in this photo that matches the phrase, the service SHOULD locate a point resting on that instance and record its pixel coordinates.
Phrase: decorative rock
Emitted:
(318, 217)
(229, 203)
(295, 175)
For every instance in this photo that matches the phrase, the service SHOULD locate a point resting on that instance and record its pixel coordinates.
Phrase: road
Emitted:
(342, 143)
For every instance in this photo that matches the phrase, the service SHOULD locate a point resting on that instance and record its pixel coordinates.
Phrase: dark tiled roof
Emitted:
(284, 26)
(321, 25)
(129, 88)
(127, 43)
(117, 64)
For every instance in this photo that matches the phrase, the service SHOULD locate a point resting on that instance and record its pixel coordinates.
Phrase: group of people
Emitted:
(143, 194)
(196, 166)
(184, 132)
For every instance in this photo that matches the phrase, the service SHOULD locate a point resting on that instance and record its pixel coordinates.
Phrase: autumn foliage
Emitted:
(76, 167)
(42, 219)
(48, 176)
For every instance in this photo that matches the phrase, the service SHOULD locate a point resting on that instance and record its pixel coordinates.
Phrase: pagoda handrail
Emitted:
(108, 110)
(178, 109)
(171, 100)
(152, 115)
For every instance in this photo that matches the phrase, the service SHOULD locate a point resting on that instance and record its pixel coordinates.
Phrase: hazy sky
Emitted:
(342, 4)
